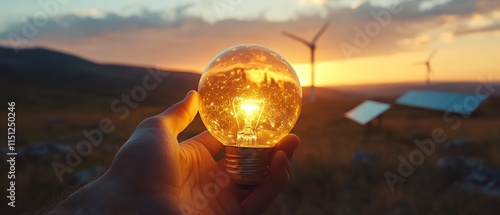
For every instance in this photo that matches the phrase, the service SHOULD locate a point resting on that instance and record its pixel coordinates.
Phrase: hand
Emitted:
(154, 174)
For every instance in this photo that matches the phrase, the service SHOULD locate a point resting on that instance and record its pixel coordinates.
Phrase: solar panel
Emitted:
(367, 111)
(442, 101)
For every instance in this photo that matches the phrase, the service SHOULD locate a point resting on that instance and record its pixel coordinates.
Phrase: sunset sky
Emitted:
(187, 34)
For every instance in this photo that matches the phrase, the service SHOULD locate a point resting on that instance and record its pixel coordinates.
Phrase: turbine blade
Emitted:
(296, 38)
(431, 55)
(321, 31)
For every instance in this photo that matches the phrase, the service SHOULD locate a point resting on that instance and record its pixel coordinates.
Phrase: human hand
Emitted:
(153, 174)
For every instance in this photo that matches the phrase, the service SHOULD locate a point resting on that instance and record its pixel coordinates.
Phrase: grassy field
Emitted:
(324, 180)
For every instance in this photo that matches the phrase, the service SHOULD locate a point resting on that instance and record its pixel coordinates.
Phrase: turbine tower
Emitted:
(427, 64)
(312, 47)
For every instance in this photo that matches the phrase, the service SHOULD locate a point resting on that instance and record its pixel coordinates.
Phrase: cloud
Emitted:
(485, 29)
(447, 37)
(83, 24)
(94, 13)
(178, 37)
(416, 42)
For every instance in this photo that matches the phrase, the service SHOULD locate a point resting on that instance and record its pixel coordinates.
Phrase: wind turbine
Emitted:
(427, 64)
(312, 46)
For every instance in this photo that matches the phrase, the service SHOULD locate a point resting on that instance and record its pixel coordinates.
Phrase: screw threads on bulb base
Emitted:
(247, 167)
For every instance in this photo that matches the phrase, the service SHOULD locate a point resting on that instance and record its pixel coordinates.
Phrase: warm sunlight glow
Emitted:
(196, 32)
(449, 65)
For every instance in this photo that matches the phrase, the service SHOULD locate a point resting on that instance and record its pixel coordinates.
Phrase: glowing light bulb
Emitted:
(250, 99)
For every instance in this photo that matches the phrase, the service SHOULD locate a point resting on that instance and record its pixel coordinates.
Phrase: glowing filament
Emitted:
(250, 106)
(247, 113)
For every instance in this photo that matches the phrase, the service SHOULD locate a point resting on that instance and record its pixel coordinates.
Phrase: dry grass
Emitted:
(323, 178)
(325, 181)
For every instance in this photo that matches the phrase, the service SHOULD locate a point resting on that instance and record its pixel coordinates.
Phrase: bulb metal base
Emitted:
(247, 167)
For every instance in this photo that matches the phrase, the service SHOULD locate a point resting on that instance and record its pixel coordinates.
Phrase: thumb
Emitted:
(178, 116)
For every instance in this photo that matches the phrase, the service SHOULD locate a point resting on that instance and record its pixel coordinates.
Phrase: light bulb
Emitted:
(250, 99)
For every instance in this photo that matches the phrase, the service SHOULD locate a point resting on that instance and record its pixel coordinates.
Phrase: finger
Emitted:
(178, 116)
(288, 144)
(205, 139)
(262, 197)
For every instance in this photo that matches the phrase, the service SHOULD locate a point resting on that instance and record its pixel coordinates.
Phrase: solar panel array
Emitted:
(442, 101)
(367, 111)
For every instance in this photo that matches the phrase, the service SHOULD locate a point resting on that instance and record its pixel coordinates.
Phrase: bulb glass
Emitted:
(250, 97)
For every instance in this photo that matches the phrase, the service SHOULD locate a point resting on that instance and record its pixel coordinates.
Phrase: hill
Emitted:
(45, 78)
